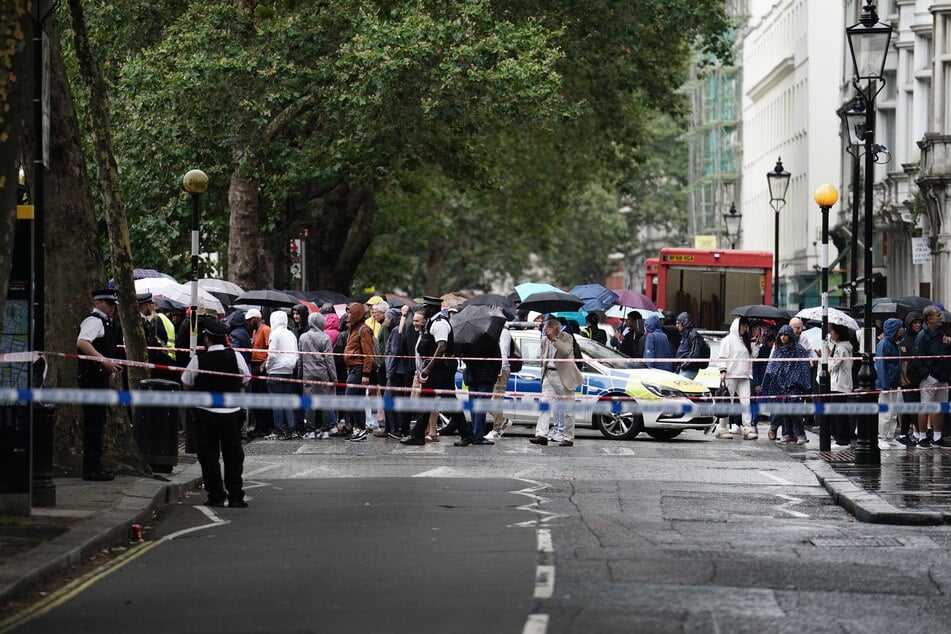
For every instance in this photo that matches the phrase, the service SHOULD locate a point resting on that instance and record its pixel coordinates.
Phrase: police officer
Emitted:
(218, 429)
(98, 338)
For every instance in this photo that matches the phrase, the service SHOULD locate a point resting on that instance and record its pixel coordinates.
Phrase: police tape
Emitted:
(588, 405)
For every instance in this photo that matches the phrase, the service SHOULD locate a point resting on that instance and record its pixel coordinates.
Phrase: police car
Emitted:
(608, 375)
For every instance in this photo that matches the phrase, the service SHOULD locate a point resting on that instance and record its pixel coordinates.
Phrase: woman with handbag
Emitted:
(734, 361)
(840, 381)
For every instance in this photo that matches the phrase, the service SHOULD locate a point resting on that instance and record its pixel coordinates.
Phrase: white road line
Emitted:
(260, 470)
(618, 451)
(544, 582)
(792, 501)
(536, 624)
(767, 474)
(438, 472)
(307, 472)
(544, 541)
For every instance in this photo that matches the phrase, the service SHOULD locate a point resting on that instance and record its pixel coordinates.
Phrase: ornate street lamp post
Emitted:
(732, 221)
(778, 180)
(195, 182)
(825, 196)
(868, 47)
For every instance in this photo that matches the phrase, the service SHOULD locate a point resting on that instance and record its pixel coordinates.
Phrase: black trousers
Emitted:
(440, 379)
(94, 424)
(220, 435)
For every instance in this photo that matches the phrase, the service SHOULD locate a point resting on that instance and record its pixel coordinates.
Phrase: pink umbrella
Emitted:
(633, 299)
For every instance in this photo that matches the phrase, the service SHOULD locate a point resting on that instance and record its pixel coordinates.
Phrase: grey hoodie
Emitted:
(318, 360)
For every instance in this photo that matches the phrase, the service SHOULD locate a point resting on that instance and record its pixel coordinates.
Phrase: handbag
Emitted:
(723, 397)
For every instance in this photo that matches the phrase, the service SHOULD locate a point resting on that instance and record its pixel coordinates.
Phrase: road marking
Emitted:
(767, 474)
(536, 624)
(618, 451)
(542, 517)
(80, 584)
(544, 582)
(267, 467)
(544, 541)
(438, 472)
(792, 501)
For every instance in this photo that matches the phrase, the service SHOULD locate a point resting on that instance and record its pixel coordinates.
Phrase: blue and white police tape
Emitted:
(583, 405)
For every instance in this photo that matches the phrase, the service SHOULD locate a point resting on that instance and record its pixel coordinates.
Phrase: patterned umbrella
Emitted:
(633, 299)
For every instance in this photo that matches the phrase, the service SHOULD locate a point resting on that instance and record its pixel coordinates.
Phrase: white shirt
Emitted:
(191, 372)
(92, 328)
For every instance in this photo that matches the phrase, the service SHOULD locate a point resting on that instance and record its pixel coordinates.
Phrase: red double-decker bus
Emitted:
(708, 283)
(650, 279)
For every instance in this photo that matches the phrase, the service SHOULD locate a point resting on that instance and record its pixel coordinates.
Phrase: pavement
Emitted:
(912, 487)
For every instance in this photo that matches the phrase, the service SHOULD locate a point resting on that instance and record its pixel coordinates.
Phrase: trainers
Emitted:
(493, 435)
(723, 432)
(506, 423)
(341, 433)
(324, 435)
(908, 441)
(358, 435)
(273, 436)
(393, 436)
(883, 446)
(944, 441)
(310, 435)
(750, 433)
(802, 440)
(380, 433)
(788, 440)
(924, 443)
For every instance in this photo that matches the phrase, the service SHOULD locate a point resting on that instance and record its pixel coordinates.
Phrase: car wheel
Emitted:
(663, 434)
(448, 424)
(621, 426)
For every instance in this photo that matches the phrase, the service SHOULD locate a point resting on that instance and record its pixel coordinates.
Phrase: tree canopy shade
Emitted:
(384, 124)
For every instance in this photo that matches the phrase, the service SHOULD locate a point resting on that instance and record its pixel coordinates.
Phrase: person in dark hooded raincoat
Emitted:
(787, 381)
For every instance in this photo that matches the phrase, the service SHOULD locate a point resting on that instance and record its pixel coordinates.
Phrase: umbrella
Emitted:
(620, 312)
(761, 311)
(267, 297)
(322, 297)
(166, 303)
(489, 299)
(595, 296)
(398, 301)
(551, 302)
(213, 285)
(181, 293)
(915, 302)
(814, 338)
(633, 299)
(476, 331)
(529, 288)
(836, 316)
(142, 274)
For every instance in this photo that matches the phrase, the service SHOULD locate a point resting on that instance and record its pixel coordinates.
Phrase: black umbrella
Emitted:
(489, 299)
(760, 311)
(915, 302)
(476, 331)
(551, 302)
(164, 303)
(267, 297)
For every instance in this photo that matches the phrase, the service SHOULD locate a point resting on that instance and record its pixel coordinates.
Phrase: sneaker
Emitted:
(324, 435)
(945, 441)
(411, 440)
(908, 441)
(723, 432)
(802, 440)
(288, 435)
(750, 433)
(310, 435)
(358, 435)
(788, 440)
(493, 435)
(506, 423)
(924, 443)
(380, 433)
(393, 436)
(273, 436)
(341, 432)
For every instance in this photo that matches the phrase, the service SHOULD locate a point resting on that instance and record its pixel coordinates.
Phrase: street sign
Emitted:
(920, 252)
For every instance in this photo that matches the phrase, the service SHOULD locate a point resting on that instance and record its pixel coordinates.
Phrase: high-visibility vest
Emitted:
(169, 328)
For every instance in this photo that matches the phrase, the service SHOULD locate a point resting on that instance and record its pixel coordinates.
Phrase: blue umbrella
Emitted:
(595, 296)
(530, 288)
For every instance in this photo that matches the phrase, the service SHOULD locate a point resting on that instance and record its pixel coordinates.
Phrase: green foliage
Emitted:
(492, 127)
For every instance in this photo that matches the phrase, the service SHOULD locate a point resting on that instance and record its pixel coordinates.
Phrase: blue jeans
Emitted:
(283, 417)
(478, 418)
(358, 417)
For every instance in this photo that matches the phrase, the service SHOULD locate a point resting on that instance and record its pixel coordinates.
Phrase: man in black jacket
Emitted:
(932, 342)
(218, 429)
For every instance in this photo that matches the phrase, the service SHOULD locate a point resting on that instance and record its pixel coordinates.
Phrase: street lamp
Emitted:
(825, 196)
(778, 180)
(868, 47)
(732, 222)
(853, 118)
(195, 182)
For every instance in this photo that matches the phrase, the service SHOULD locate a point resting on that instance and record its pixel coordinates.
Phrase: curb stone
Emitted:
(868, 507)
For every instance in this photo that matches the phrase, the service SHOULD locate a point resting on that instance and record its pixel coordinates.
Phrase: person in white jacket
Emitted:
(281, 366)
(735, 365)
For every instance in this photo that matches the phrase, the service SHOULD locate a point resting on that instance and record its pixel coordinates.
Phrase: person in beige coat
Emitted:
(560, 378)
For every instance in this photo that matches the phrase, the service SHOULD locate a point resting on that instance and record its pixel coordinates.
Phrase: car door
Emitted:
(526, 383)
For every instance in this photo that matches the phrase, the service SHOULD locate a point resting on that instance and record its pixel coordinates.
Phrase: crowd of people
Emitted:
(375, 348)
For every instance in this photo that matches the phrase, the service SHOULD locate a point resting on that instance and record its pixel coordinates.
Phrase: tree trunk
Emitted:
(340, 234)
(15, 89)
(101, 136)
(249, 265)
(74, 268)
